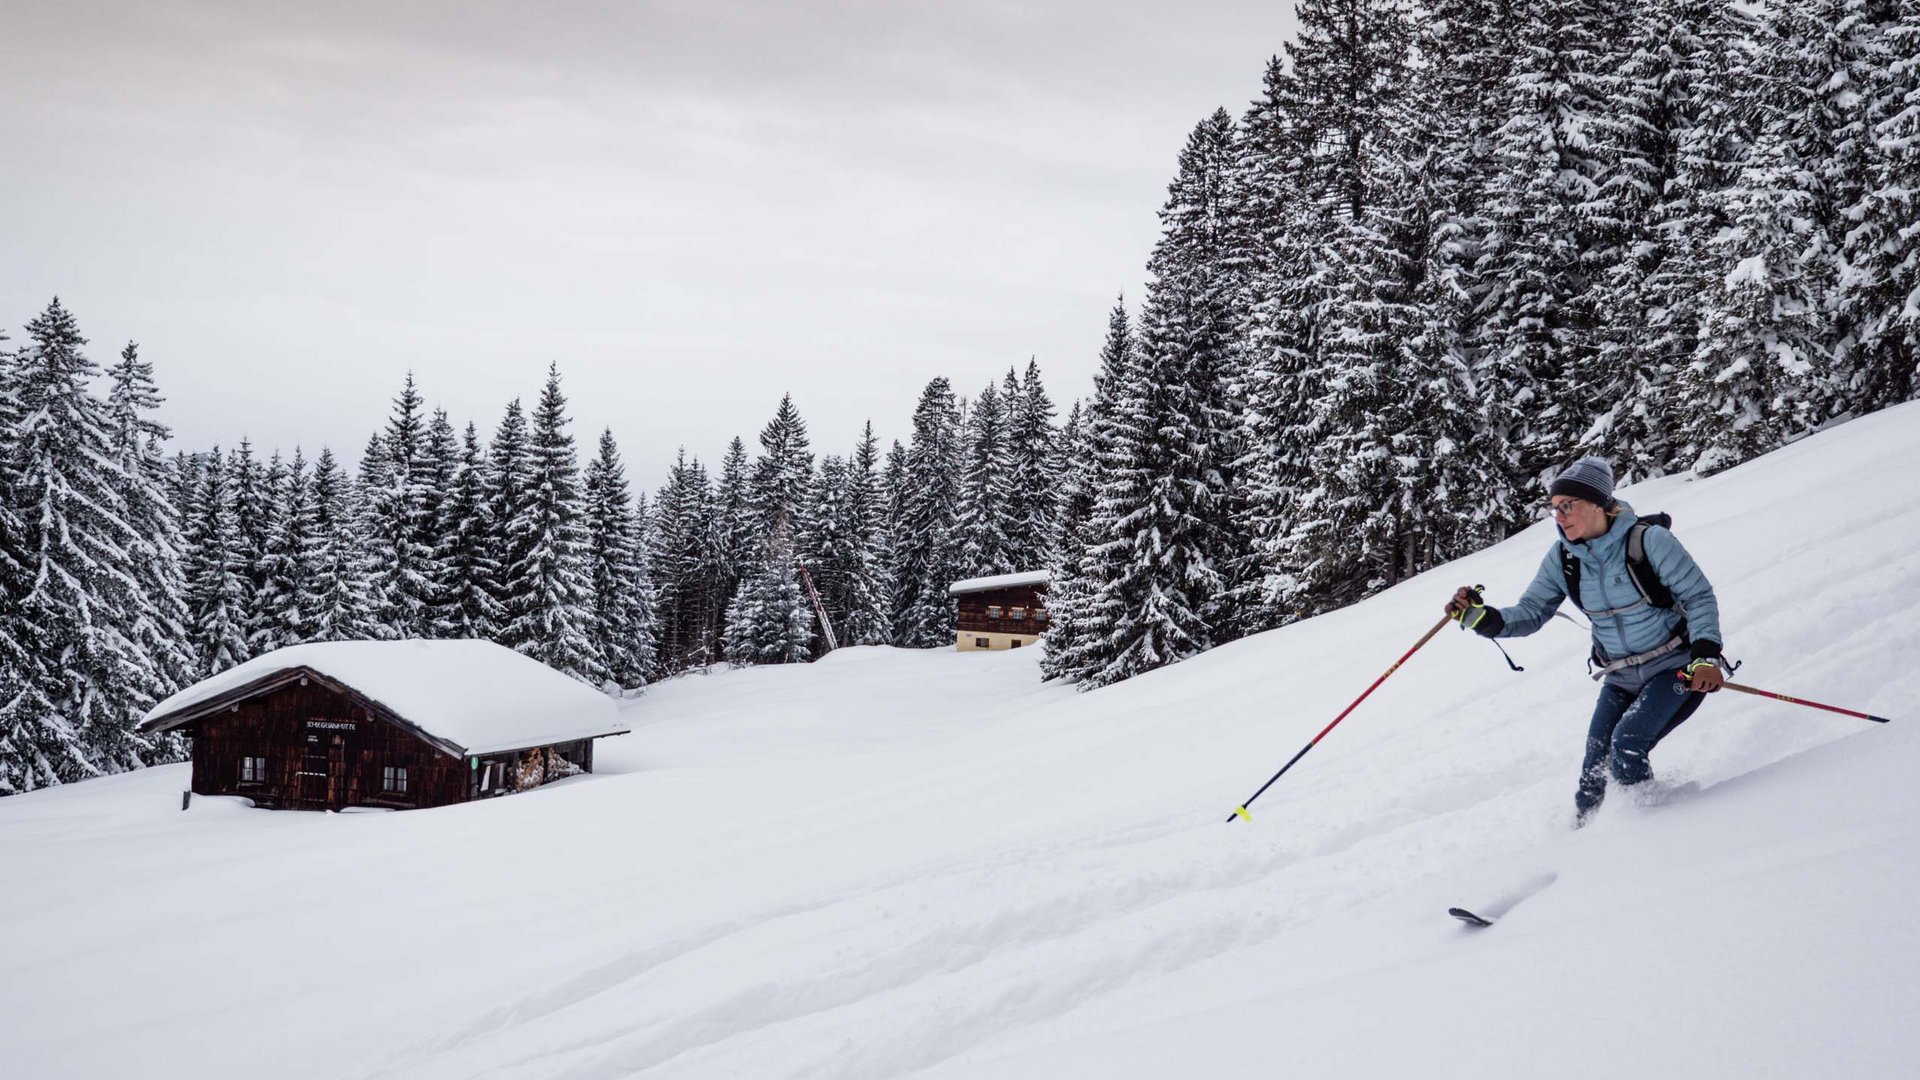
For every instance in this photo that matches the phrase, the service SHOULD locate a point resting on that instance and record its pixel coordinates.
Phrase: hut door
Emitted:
(323, 771)
(315, 770)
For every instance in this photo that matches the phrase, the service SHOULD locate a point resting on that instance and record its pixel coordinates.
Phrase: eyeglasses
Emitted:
(1562, 509)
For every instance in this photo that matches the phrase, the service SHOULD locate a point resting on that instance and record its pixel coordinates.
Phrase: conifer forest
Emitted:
(1446, 249)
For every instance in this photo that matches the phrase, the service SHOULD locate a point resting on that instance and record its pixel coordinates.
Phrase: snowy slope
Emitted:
(895, 863)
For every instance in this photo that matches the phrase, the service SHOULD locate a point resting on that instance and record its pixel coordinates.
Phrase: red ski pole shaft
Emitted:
(1241, 810)
(1757, 692)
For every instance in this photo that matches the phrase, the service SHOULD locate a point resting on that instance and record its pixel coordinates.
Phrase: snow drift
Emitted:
(901, 863)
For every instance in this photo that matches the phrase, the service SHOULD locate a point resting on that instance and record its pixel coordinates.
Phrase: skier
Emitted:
(1638, 644)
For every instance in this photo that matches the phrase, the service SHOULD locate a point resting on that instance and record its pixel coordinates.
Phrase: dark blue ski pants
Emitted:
(1637, 708)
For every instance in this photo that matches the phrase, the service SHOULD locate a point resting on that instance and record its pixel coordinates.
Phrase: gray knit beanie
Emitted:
(1590, 478)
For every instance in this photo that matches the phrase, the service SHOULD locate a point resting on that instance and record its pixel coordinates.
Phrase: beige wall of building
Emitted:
(971, 641)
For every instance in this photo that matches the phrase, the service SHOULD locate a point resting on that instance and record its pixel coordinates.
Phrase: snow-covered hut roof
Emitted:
(472, 697)
(998, 581)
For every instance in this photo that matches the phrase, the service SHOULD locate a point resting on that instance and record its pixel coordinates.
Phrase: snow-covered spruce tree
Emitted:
(509, 487)
(1538, 367)
(622, 597)
(1166, 503)
(1349, 536)
(252, 492)
(769, 621)
(1282, 230)
(986, 490)
(440, 465)
(548, 612)
(1659, 132)
(893, 493)
(400, 524)
(75, 680)
(214, 564)
(336, 604)
(925, 552)
(469, 583)
(14, 585)
(781, 489)
(780, 499)
(735, 527)
(861, 566)
(1083, 553)
(1774, 358)
(159, 630)
(1034, 450)
(839, 548)
(1089, 625)
(1067, 547)
(1880, 299)
(281, 617)
(681, 555)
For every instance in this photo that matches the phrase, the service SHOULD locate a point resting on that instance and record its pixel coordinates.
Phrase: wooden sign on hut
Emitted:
(397, 724)
(1001, 612)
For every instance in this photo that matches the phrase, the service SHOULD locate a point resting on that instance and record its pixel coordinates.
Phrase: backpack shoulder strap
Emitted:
(1640, 568)
(1570, 570)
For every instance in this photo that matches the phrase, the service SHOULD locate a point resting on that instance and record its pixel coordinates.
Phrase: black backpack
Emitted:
(1652, 590)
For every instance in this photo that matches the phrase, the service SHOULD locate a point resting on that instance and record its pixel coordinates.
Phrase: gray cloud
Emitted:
(692, 207)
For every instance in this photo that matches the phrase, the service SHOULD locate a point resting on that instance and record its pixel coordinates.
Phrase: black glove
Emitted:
(1478, 617)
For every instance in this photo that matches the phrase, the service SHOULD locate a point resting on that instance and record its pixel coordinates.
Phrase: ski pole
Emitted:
(1241, 810)
(1757, 692)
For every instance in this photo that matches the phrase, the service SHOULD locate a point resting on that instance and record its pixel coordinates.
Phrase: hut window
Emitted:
(394, 779)
(980, 643)
(1020, 613)
(993, 611)
(253, 770)
(1016, 643)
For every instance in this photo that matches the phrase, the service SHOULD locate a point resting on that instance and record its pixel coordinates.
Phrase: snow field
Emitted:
(891, 863)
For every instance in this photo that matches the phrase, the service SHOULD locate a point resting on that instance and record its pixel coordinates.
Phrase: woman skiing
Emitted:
(1650, 616)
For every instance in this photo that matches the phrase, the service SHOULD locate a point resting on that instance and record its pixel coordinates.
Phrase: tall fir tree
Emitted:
(400, 523)
(986, 490)
(926, 560)
(735, 528)
(548, 611)
(839, 547)
(622, 596)
(682, 559)
(440, 455)
(216, 568)
(467, 600)
(769, 621)
(509, 493)
(281, 616)
(780, 499)
(158, 627)
(1539, 366)
(1034, 450)
(337, 603)
(77, 680)
(252, 494)
(1161, 590)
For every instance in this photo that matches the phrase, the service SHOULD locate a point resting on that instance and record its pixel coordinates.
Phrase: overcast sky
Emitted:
(693, 207)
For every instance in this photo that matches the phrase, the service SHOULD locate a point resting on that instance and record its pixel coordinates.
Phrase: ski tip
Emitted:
(1468, 917)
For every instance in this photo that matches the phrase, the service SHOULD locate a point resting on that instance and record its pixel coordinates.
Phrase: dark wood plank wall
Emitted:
(304, 730)
(975, 616)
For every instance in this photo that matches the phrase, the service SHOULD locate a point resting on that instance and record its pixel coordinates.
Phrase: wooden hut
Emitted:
(397, 724)
(1002, 612)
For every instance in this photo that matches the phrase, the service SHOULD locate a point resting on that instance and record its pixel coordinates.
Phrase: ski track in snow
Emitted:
(895, 862)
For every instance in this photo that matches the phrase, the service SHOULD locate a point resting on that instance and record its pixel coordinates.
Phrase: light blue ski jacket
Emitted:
(1633, 625)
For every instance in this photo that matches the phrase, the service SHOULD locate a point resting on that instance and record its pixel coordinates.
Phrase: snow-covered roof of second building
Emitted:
(999, 581)
(476, 695)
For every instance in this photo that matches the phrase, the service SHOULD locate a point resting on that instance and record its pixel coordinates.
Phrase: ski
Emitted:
(1468, 917)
